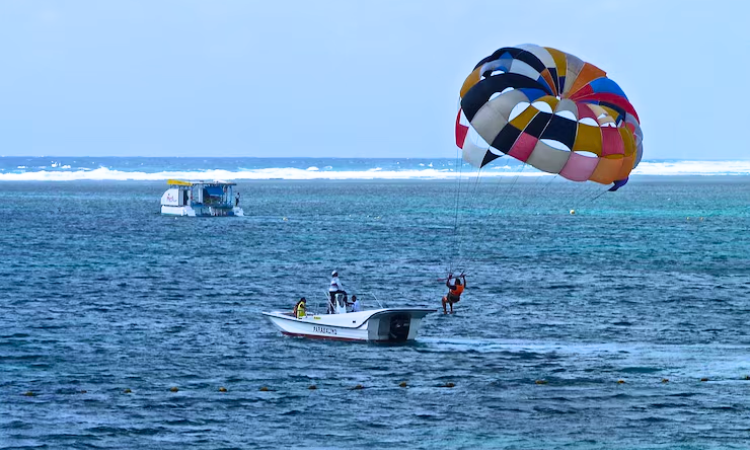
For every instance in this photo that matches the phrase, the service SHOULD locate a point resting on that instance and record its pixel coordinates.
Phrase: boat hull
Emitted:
(205, 211)
(380, 325)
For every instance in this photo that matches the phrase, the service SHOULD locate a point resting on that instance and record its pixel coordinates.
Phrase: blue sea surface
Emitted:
(99, 294)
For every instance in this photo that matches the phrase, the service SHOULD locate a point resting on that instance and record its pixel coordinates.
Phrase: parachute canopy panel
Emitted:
(543, 106)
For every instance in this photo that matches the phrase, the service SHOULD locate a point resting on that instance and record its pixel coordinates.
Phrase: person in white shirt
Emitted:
(356, 306)
(335, 288)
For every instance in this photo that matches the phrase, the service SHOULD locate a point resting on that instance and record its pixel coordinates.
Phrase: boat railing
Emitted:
(377, 300)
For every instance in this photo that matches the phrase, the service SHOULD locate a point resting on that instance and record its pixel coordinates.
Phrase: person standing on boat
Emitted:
(300, 307)
(237, 199)
(335, 288)
(454, 291)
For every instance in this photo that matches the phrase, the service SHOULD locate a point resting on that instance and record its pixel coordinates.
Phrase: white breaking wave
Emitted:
(103, 173)
(693, 168)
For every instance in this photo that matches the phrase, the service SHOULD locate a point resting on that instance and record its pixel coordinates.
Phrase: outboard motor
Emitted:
(399, 328)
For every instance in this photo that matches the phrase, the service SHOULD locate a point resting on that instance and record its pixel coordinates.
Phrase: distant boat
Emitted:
(200, 199)
(388, 325)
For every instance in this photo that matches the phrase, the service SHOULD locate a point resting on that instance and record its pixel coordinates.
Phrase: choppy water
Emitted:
(98, 293)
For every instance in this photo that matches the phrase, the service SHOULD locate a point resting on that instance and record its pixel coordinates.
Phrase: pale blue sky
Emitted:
(344, 78)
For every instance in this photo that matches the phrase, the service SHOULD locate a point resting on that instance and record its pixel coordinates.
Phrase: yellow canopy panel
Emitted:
(179, 183)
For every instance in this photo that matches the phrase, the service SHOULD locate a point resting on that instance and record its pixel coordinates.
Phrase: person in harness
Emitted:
(454, 291)
(299, 308)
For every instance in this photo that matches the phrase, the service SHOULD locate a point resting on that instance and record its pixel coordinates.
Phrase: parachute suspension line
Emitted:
(596, 196)
(586, 190)
(465, 206)
(505, 196)
(542, 190)
(528, 193)
(470, 200)
(496, 200)
(591, 194)
(454, 244)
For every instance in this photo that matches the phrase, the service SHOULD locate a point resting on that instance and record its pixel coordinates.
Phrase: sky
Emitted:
(344, 78)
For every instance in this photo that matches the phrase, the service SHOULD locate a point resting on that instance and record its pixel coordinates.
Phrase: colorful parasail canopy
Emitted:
(552, 111)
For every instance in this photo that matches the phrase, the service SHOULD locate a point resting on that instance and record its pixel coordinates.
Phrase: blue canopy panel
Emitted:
(544, 83)
(533, 94)
(215, 191)
(605, 85)
(618, 184)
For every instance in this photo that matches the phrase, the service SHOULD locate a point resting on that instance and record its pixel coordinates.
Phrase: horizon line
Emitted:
(318, 157)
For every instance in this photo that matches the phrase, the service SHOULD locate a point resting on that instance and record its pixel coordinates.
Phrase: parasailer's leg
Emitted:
(445, 310)
(451, 299)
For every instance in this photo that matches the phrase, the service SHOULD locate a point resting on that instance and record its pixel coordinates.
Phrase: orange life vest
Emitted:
(457, 290)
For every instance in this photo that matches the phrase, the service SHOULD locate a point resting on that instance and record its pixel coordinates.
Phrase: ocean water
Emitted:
(99, 294)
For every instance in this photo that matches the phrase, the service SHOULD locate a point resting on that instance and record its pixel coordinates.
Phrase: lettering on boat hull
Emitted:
(325, 330)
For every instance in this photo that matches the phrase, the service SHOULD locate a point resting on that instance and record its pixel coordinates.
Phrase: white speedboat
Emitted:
(200, 199)
(376, 325)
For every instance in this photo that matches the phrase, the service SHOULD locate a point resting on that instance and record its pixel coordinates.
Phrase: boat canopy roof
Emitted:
(179, 183)
(172, 182)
